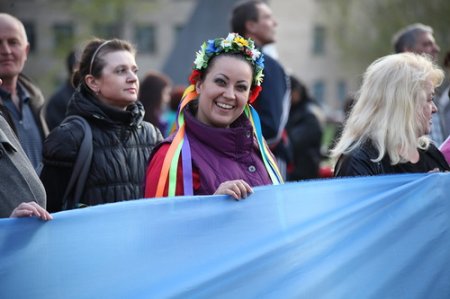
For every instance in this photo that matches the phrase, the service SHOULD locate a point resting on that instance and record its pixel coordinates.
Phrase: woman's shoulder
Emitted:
(359, 162)
(438, 156)
(64, 141)
(151, 132)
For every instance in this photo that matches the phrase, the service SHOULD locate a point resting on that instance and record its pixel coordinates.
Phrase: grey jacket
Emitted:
(18, 179)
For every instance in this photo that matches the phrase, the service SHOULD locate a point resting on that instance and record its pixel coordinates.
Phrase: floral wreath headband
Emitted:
(233, 43)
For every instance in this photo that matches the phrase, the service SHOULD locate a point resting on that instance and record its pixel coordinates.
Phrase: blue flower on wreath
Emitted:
(211, 47)
(260, 62)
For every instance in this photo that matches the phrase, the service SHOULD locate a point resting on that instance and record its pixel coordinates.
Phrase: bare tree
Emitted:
(363, 29)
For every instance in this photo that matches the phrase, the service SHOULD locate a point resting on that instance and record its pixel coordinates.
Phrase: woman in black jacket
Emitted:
(106, 96)
(305, 134)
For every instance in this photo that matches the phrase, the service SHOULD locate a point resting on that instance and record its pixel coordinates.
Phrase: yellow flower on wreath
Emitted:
(241, 41)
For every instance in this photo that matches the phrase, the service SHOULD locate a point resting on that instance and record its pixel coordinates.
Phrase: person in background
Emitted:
(57, 104)
(445, 149)
(21, 101)
(154, 93)
(107, 98)
(218, 143)
(305, 134)
(253, 19)
(387, 130)
(18, 180)
(444, 101)
(170, 115)
(418, 38)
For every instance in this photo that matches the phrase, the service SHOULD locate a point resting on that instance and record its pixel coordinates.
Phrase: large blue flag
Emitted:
(367, 237)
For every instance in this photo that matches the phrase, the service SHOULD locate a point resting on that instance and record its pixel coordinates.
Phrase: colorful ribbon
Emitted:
(180, 146)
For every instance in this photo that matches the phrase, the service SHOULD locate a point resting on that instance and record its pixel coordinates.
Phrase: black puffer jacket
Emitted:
(122, 144)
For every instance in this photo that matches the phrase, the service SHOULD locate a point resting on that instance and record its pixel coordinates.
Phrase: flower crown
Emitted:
(233, 43)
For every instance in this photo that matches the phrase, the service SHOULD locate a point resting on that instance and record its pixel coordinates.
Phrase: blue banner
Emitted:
(367, 237)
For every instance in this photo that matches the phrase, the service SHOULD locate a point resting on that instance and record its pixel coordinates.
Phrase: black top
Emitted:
(272, 106)
(57, 105)
(305, 137)
(359, 162)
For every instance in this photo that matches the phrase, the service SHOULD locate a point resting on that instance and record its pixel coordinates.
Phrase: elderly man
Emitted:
(418, 38)
(21, 102)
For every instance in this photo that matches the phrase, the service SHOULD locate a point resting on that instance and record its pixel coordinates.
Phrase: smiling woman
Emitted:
(218, 147)
(106, 97)
(224, 91)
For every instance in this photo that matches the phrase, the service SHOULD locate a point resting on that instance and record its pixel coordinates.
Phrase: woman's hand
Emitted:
(238, 189)
(29, 209)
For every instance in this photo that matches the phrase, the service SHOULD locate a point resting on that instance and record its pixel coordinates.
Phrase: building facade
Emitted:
(304, 45)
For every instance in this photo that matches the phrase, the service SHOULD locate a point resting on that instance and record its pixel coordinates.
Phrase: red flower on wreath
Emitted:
(254, 94)
(195, 75)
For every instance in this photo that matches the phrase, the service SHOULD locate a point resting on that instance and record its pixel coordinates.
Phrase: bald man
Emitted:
(418, 38)
(21, 101)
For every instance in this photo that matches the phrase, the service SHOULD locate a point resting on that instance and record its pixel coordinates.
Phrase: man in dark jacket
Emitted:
(20, 100)
(56, 108)
(253, 19)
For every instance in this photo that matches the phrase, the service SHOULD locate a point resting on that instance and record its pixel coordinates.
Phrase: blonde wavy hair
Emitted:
(388, 106)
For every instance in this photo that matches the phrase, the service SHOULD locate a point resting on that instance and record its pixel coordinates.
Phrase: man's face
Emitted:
(425, 43)
(13, 48)
(263, 31)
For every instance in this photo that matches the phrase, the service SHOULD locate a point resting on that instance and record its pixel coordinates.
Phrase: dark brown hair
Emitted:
(150, 95)
(90, 64)
(242, 12)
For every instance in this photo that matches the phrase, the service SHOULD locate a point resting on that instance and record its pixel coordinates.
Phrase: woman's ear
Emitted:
(198, 86)
(92, 83)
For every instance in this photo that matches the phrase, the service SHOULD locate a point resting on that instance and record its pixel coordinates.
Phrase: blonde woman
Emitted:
(387, 130)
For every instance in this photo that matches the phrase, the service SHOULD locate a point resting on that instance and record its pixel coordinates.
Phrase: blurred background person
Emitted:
(444, 101)
(305, 134)
(57, 104)
(21, 101)
(170, 114)
(254, 19)
(107, 98)
(418, 38)
(388, 126)
(155, 94)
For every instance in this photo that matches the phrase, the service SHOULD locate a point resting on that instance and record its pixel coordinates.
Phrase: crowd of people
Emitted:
(241, 122)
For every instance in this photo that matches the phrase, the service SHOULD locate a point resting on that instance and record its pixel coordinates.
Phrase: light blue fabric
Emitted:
(375, 237)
